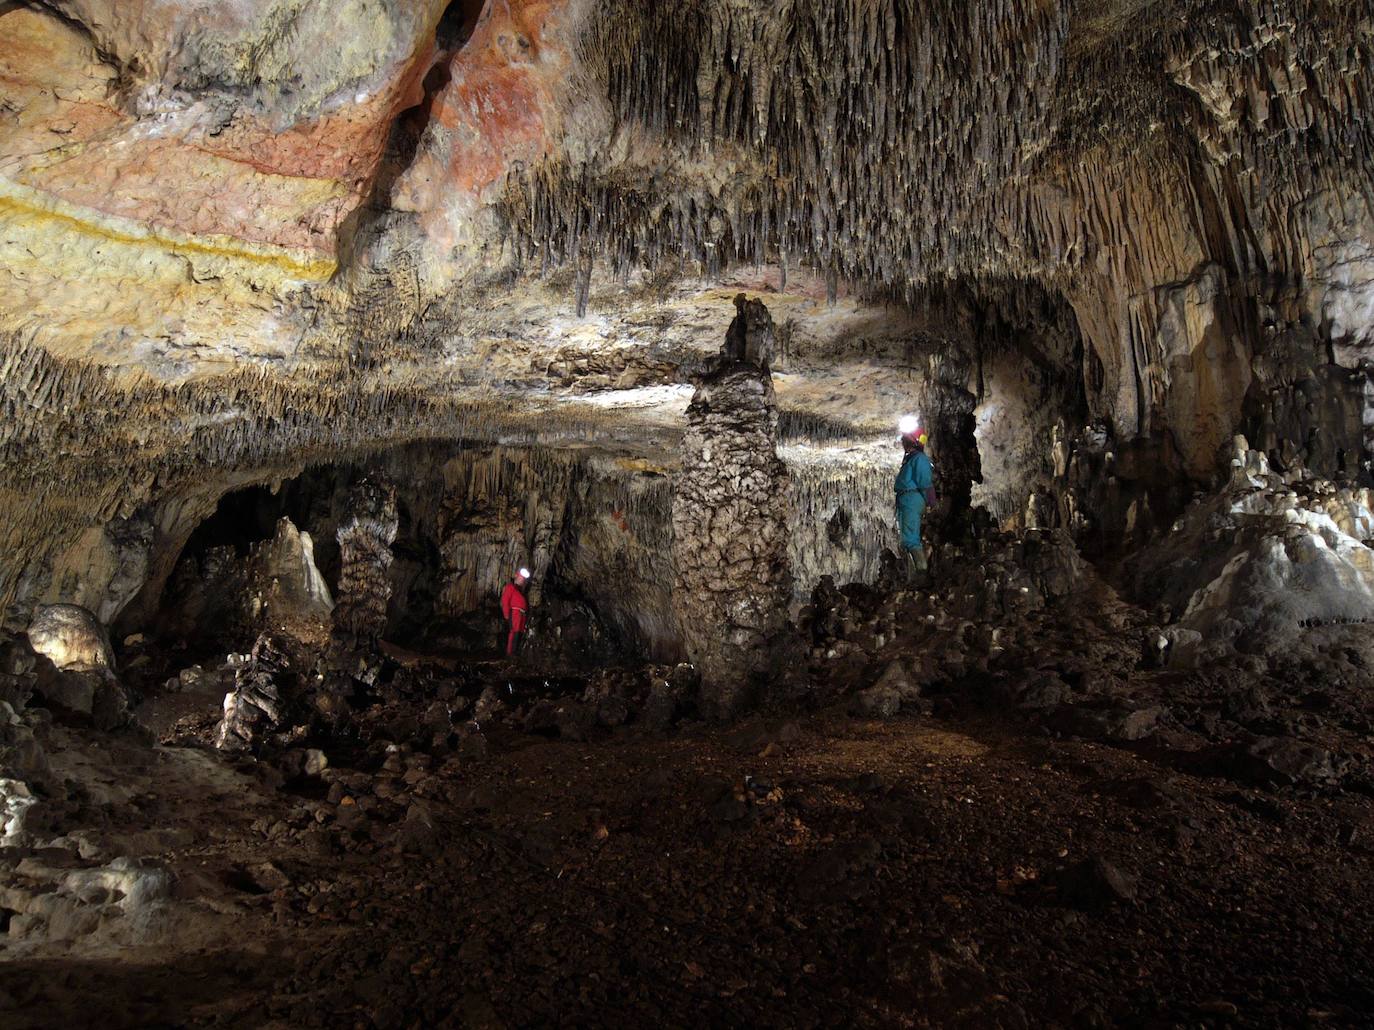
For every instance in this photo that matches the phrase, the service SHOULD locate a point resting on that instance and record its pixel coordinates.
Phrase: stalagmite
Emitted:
(256, 706)
(365, 539)
(730, 517)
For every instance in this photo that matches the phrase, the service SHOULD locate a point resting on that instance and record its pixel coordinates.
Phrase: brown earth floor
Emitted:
(836, 872)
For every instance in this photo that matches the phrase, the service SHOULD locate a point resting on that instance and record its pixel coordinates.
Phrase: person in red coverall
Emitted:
(515, 610)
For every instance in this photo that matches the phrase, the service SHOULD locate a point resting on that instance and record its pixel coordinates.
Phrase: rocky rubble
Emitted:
(1015, 635)
(1027, 628)
(1270, 557)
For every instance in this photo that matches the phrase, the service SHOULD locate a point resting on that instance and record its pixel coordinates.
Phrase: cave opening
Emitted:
(457, 24)
(467, 517)
(241, 518)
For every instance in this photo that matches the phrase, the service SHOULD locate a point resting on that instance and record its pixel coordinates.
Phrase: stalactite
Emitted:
(900, 144)
(893, 147)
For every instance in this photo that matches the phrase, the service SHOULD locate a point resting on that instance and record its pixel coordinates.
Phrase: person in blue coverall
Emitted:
(914, 486)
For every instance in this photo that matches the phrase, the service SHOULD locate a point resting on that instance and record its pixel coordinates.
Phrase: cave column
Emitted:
(730, 517)
(953, 444)
(359, 618)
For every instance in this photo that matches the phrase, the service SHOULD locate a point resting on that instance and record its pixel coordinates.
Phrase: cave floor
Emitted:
(821, 872)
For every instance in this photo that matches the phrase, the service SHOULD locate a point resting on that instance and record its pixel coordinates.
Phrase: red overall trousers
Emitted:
(513, 608)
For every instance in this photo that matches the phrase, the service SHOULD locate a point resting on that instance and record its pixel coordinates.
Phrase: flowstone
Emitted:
(1261, 562)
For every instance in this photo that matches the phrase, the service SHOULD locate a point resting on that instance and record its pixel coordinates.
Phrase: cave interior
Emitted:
(322, 324)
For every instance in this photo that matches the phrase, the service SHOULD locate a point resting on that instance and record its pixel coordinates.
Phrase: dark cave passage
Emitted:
(467, 519)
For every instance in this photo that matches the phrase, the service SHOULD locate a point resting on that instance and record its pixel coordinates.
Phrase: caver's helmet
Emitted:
(911, 431)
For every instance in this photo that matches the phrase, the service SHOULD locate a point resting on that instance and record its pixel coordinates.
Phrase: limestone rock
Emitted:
(288, 588)
(1276, 760)
(878, 702)
(1110, 720)
(15, 801)
(256, 706)
(365, 538)
(729, 531)
(123, 901)
(749, 340)
(71, 638)
(1096, 883)
(1255, 565)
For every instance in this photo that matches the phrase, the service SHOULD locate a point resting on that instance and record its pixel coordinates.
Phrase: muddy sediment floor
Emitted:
(823, 870)
(996, 803)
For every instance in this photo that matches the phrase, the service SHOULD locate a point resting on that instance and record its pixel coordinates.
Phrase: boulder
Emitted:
(663, 704)
(21, 756)
(1181, 647)
(1042, 690)
(1120, 721)
(1282, 761)
(15, 801)
(1095, 883)
(17, 664)
(72, 638)
(898, 677)
(878, 702)
(418, 833)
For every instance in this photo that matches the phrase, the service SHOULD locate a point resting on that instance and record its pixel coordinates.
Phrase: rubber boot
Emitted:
(915, 566)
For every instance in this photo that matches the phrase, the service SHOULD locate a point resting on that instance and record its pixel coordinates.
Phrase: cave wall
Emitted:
(590, 527)
(594, 528)
(841, 520)
(618, 551)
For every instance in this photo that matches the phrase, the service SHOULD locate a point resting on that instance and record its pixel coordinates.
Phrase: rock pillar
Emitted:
(953, 447)
(365, 537)
(730, 517)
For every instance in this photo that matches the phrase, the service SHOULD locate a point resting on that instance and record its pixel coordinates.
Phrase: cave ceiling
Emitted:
(236, 235)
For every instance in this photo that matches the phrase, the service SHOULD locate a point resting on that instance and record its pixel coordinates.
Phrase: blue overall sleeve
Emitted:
(923, 475)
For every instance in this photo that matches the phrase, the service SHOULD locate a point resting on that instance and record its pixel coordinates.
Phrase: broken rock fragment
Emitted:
(1095, 883)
